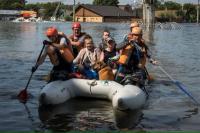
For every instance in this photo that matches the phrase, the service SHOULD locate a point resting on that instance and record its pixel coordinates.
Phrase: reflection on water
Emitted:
(77, 115)
(127, 120)
(167, 107)
(87, 114)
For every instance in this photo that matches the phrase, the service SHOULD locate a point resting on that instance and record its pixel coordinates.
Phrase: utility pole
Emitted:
(148, 13)
(74, 11)
(198, 12)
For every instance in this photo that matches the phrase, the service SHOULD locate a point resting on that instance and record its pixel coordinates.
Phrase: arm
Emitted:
(62, 34)
(79, 57)
(42, 58)
(126, 40)
(61, 45)
(151, 60)
(102, 56)
(76, 42)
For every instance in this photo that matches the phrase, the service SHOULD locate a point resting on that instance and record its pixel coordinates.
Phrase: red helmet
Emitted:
(51, 31)
(76, 25)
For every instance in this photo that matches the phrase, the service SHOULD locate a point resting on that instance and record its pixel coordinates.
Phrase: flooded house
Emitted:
(95, 13)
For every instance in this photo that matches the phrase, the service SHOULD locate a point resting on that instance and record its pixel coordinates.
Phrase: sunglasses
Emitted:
(136, 34)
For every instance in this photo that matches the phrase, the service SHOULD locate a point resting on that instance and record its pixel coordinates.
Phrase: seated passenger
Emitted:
(76, 38)
(109, 55)
(106, 34)
(87, 57)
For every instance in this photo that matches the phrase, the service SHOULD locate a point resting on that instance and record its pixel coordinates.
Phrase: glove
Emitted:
(34, 68)
(45, 42)
(154, 62)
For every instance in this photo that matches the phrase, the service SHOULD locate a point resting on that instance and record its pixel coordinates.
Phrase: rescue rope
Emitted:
(93, 83)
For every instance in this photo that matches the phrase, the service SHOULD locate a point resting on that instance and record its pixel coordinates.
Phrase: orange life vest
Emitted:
(66, 52)
(67, 55)
(125, 55)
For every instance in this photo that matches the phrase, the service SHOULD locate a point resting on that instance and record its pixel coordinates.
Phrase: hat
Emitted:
(134, 24)
(109, 39)
(137, 30)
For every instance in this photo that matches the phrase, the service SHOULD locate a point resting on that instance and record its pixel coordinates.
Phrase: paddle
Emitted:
(179, 85)
(23, 95)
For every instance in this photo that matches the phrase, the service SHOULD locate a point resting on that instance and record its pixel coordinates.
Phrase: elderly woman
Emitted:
(87, 57)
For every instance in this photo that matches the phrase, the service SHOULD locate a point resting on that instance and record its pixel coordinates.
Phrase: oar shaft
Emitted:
(170, 77)
(35, 65)
(40, 53)
(180, 86)
(23, 95)
(29, 81)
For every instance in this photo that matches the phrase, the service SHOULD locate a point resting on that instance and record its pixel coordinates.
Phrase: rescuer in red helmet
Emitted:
(59, 50)
(77, 38)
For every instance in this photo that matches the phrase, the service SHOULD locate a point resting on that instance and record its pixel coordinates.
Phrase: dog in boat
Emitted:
(105, 72)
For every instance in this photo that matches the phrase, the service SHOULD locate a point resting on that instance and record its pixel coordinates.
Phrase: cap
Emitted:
(137, 30)
(134, 24)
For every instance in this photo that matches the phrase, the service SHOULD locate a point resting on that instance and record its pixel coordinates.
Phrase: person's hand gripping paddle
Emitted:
(23, 94)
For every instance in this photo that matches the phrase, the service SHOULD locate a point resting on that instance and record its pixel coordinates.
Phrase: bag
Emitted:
(91, 74)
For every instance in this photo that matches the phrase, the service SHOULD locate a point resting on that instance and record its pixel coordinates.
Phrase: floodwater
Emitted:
(168, 108)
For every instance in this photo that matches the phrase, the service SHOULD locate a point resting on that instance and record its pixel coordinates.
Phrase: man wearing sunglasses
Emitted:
(133, 57)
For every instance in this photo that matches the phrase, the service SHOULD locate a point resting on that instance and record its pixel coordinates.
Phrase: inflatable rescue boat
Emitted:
(122, 97)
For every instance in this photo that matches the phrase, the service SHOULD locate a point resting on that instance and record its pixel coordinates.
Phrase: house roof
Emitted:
(106, 11)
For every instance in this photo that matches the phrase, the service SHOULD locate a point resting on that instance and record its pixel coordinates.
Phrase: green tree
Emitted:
(172, 5)
(167, 5)
(46, 10)
(11, 4)
(106, 2)
(180, 13)
(35, 7)
(190, 14)
(49, 9)
(159, 5)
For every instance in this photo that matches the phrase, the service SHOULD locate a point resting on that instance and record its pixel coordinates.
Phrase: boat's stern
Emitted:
(129, 97)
